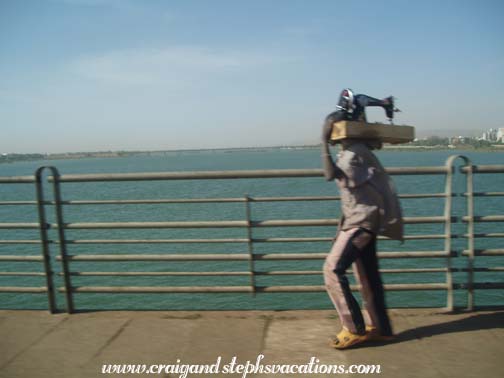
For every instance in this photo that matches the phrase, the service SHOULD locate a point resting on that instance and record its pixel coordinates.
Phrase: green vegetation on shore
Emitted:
(429, 144)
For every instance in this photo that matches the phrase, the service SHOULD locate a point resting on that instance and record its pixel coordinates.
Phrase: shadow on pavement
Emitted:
(471, 323)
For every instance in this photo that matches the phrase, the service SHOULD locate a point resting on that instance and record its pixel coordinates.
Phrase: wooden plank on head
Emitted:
(362, 130)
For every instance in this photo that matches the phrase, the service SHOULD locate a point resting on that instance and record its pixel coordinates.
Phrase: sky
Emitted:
(100, 75)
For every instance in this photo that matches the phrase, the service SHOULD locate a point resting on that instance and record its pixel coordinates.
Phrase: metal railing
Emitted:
(44, 258)
(250, 226)
(470, 219)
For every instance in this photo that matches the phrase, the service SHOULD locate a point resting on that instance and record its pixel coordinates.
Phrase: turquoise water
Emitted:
(221, 160)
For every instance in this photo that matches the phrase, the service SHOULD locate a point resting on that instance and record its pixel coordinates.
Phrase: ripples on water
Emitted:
(208, 160)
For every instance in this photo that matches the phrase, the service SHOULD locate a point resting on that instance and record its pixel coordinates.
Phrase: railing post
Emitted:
(470, 223)
(448, 233)
(44, 241)
(470, 235)
(250, 244)
(61, 236)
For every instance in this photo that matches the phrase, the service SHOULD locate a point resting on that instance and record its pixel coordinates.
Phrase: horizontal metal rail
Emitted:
(482, 286)
(484, 169)
(239, 289)
(23, 289)
(18, 203)
(247, 273)
(230, 200)
(484, 235)
(17, 179)
(237, 174)
(214, 224)
(230, 240)
(22, 241)
(485, 218)
(154, 241)
(20, 258)
(159, 257)
(134, 274)
(19, 225)
(485, 252)
(257, 273)
(210, 200)
(485, 194)
(243, 256)
(208, 224)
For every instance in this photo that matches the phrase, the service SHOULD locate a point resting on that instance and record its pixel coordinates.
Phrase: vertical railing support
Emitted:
(250, 244)
(470, 224)
(470, 235)
(44, 241)
(448, 233)
(61, 231)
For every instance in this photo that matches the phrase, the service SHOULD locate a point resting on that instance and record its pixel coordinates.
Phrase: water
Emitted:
(221, 160)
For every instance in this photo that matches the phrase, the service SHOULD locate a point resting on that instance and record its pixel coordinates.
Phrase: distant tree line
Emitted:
(476, 143)
(433, 141)
(8, 158)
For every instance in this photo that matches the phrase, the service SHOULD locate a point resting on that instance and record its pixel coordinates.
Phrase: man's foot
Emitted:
(346, 339)
(374, 334)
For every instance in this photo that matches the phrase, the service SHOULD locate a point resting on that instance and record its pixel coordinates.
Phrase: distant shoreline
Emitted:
(12, 158)
(496, 148)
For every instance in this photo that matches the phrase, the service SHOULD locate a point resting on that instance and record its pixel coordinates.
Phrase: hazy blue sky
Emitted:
(88, 75)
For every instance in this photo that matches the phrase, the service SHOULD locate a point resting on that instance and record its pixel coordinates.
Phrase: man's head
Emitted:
(346, 100)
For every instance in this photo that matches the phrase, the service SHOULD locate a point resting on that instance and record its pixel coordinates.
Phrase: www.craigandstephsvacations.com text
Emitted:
(182, 370)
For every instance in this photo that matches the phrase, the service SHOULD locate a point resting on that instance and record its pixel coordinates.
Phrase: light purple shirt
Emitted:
(368, 195)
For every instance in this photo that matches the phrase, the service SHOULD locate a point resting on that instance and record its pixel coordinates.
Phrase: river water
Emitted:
(232, 160)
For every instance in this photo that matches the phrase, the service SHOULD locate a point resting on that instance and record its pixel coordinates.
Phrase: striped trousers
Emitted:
(356, 246)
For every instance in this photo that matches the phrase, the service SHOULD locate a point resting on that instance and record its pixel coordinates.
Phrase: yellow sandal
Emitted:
(345, 339)
(374, 334)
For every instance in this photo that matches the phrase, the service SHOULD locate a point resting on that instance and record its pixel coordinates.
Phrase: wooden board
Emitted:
(361, 130)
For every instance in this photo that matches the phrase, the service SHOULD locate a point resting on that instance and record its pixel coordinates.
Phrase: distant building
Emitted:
(458, 140)
(500, 135)
(490, 135)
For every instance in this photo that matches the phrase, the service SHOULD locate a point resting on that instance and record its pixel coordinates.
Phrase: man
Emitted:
(370, 207)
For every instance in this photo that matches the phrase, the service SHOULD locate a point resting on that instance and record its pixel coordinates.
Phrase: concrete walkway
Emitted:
(430, 343)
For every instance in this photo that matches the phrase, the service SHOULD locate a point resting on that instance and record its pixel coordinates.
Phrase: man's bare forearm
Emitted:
(331, 171)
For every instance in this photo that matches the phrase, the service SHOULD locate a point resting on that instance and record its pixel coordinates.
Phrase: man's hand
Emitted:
(327, 131)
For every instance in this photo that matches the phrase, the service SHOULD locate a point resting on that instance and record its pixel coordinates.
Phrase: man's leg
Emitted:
(366, 271)
(342, 255)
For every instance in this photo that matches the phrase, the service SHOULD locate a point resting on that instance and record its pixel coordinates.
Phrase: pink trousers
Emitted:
(365, 268)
